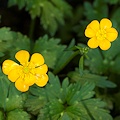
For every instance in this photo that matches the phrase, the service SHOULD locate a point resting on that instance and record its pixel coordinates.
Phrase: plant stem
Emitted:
(81, 65)
(31, 32)
(32, 27)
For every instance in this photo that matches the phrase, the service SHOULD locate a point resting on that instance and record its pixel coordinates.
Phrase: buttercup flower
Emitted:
(101, 34)
(27, 72)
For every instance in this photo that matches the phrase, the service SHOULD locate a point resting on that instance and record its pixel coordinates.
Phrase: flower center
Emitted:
(101, 34)
(26, 70)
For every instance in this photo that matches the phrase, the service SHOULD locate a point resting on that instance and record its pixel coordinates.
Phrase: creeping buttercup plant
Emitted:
(66, 67)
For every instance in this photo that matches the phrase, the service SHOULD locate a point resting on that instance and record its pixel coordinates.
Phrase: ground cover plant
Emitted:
(60, 60)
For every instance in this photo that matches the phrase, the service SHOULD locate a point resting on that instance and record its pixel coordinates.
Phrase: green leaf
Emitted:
(14, 96)
(96, 62)
(113, 52)
(78, 112)
(35, 100)
(76, 104)
(6, 38)
(21, 42)
(18, 114)
(65, 116)
(51, 15)
(54, 87)
(11, 42)
(10, 95)
(56, 56)
(50, 49)
(92, 10)
(34, 104)
(94, 105)
(14, 2)
(4, 89)
(98, 80)
(115, 18)
(115, 65)
(112, 57)
(63, 7)
(72, 101)
(5, 34)
(78, 92)
(104, 62)
(39, 97)
(49, 11)
(51, 111)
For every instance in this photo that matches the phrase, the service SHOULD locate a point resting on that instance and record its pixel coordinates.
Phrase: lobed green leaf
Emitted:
(18, 114)
(100, 81)
(49, 11)
(56, 55)
(69, 101)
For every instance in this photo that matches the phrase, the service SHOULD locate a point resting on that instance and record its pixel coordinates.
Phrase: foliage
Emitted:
(49, 12)
(98, 80)
(56, 55)
(83, 83)
(66, 101)
(11, 102)
(13, 41)
(106, 61)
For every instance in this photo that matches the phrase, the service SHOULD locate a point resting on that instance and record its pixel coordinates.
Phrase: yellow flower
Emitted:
(27, 72)
(101, 34)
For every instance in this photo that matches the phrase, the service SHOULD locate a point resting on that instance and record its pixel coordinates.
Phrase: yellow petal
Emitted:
(104, 44)
(8, 65)
(89, 32)
(29, 79)
(42, 80)
(14, 74)
(37, 59)
(22, 56)
(93, 43)
(94, 25)
(105, 23)
(92, 28)
(111, 34)
(42, 69)
(19, 84)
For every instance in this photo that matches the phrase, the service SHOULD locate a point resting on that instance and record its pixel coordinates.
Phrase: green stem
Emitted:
(32, 27)
(81, 64)
(31, 31)
(70, 58)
